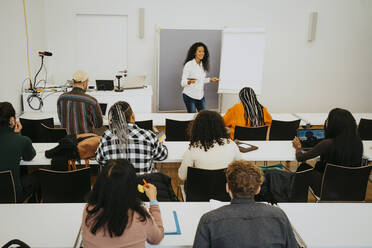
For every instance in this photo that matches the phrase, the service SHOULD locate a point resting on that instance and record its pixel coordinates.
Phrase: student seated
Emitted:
(248, 113)
(13, 148)
(79, 112)
(210, 147)
(124, 139)
(114, 215)
(244, 222)
(341, 146)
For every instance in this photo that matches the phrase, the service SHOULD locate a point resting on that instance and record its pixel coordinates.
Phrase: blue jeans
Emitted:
(193, 104)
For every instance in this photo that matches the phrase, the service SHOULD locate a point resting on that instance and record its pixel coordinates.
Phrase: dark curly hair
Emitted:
(6, 111)
(207, 129)
(192, 51)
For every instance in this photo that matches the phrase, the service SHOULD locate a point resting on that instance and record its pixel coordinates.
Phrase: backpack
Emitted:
(73, 148)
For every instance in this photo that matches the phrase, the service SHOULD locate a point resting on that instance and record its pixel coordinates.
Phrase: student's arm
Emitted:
(202, 236)
(187, 161)
(160, 151)
(97, 115)
(100, 154)
(229, 117)
(28, 152)
(267, 117)
(290, 238)
(155, 229)
(321, 148)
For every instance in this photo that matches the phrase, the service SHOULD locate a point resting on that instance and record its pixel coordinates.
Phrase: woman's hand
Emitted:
(191, 81)
(150, 191)
(214, 80)
(296, 143)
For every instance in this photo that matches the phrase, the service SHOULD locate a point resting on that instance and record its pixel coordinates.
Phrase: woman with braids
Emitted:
(114, 215)
(210, 147)
(194, 77)
(124, 139)
(248, 113)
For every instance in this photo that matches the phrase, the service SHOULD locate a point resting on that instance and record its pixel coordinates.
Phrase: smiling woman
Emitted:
(194, 77)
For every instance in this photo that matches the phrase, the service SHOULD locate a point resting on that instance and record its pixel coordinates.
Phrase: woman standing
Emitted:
(194, 77)
(248, 113)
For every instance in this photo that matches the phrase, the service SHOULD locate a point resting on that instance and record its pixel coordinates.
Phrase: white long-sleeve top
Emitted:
(217, 157)
(193, 70)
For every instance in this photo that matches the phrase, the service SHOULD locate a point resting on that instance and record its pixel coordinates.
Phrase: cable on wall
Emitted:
(28, 56)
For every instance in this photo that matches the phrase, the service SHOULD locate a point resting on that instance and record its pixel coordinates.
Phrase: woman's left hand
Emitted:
(214, 79)
(296, 143)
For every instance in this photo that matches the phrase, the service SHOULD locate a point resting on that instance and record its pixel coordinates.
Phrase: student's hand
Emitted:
(150, 191)
(214, 80)
(296, 143)
(17, 127)
(191, 81)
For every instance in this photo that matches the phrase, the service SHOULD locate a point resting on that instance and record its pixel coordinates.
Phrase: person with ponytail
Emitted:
(196, 66)
(125, 140)
(248, 113)
(114, 215)
(341, 146)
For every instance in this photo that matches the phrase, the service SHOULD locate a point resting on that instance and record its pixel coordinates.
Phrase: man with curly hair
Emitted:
(244, 222)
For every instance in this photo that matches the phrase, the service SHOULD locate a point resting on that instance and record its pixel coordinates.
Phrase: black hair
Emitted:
(207, 129)
(192, 51)
(112, 197)
(253, 110)
(6, 112)
(347, 148)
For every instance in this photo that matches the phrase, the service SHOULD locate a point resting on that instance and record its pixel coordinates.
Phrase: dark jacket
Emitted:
(245, 223)
(13, 148)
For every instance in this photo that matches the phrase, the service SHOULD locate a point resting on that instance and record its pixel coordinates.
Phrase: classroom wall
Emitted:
(13, 63)
(334, 70)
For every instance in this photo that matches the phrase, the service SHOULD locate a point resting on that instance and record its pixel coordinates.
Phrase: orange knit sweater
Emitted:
(235, 117)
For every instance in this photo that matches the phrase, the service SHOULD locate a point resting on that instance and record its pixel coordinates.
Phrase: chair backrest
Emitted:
(365, 129)
(176, 130)
(250, 133)
(54, 134)
(7, 187)
(300, 186)
(34, 130)
(203, 185)
(64, 186)
(145, 124)
(283, 130)
(341, 183)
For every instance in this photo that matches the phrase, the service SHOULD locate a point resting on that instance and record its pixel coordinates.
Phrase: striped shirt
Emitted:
(79, 112)
(143, 148)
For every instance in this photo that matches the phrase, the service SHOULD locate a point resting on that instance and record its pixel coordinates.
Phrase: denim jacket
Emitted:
(245, 223)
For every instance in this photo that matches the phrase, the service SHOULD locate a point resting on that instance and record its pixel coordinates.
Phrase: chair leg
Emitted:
(86, 163)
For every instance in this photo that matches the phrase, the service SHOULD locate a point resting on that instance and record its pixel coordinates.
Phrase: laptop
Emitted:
(310, 137)
(103, 107)
(105, 85)
(134, 83)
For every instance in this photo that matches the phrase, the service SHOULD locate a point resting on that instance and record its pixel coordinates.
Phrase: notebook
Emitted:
(105, 85)
(310, 137)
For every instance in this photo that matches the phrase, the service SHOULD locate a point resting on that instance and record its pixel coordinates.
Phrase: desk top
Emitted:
(57, 225)
(319, 118)
(331, 224)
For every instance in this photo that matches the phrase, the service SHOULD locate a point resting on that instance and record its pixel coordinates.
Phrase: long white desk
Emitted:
(57, 225)
(331, 224)
(158, 118)
(139, 99)
(267, 151)
(319, 118)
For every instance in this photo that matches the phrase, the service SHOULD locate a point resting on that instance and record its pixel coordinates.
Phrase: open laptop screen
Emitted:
(105, 84)
(103, 107)
(310, 137)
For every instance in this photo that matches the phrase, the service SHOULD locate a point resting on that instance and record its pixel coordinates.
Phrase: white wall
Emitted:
(334, 70)
(13, 67)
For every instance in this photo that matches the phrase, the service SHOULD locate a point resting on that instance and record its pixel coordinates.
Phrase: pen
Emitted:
(145, 183)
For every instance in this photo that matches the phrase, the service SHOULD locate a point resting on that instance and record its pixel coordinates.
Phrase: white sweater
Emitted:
(217, 157)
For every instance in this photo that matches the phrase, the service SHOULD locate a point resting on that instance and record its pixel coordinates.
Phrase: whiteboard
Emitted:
(242, 59)
(101, 44)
